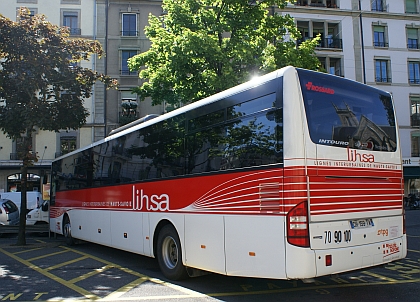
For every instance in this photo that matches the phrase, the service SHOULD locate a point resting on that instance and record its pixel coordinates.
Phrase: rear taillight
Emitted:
(297, 225)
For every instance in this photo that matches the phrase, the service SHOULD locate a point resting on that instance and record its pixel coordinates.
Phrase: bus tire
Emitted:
(67, 231)
(169, 254)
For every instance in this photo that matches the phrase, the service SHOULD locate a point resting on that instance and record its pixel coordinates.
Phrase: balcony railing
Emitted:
(379, 9)
(75, 31)
(414, 81)
(326, 43)
(383, 80)
(15, 156)
(129, 33)
(128, 72)
(328, 4)
(331, 43)
(413, 45)
(380, 44)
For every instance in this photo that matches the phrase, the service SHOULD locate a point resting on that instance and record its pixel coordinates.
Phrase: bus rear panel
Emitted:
(351, 213)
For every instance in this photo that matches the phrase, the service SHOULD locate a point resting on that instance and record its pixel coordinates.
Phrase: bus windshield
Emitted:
(344, 113)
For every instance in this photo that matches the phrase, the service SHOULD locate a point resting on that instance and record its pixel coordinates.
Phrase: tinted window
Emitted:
(243, 130)
(345, 113)
(251, 136)
(157, 151)
(253, 106)
(10, 206)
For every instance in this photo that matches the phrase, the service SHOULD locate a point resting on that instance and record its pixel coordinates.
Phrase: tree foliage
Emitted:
(200, 47)
(40, 84)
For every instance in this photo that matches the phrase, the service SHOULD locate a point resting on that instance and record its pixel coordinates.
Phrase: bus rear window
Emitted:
(344, 113)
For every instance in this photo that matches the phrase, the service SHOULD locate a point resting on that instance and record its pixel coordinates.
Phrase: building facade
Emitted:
(119, 26)
(77, 15)
(370, 41)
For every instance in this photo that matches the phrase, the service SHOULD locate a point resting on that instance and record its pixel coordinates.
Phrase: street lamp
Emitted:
(363, 44)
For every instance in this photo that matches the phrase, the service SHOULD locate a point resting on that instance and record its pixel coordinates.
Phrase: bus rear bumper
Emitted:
(339, 260)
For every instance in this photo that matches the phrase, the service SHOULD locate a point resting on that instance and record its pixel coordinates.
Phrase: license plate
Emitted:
(361, 223)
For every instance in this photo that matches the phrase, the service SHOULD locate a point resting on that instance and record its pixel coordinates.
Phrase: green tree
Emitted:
(40, 84)
(200, 47)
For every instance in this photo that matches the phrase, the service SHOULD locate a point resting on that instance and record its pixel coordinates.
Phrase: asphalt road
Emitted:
(46, 269)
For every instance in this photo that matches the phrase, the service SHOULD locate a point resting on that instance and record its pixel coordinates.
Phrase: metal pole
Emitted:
(106, 66)
(363, 44)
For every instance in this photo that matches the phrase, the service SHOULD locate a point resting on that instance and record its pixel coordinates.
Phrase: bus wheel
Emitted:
(67, 231)
(169, 254)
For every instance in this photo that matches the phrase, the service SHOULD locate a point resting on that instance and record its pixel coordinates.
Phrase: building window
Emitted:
(68, 143)
(125, 55)
(329, 33)
(415, 144)
(71, 20)
(411, 6)
(415, 110)
(27, 1)
(129, 25)
(18, 149)
(414, 72)
(382, 74)
(412, 38)
(379, 36)
(331, 65)
(378, 6)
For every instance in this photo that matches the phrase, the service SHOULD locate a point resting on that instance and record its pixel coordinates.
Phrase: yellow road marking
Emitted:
(413, 236)
(121, 291)
(414, 251)
(90, 274)
(127, 270)
(341, 285)
(29, 250)
(55, 278)
(46, 255)
(66, 263)
(379, 276)
(118, 292)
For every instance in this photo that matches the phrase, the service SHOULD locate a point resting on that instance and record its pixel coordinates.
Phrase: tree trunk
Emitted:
(27, 159)
(22, 221)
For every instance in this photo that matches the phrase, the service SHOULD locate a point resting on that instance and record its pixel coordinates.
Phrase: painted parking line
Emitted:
(115, 295)
(53, 277)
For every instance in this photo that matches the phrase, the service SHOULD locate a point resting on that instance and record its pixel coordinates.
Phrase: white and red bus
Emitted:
(293, 175)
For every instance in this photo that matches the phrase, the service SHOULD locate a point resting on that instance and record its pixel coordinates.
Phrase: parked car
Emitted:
(33, 199)
(9, 212)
